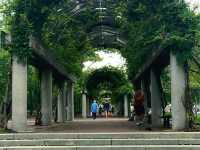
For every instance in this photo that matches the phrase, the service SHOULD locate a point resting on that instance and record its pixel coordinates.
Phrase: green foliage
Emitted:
(16, 21)
(166, 85)
(63, 34)
(67, 37)
(107, 80)
(198, 119)
(148, 26)
(159, 24)
(20, 38)
(194, 77)
(34, 102)
(4, 69)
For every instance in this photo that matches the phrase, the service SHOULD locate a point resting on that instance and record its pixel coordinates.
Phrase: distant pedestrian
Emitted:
(112, 110)
(131, 117)
(94, 108)
(139, 106)
(106, 108)
(100, 110)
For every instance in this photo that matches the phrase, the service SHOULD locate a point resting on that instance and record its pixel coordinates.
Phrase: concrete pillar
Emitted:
(70, 99)
(60, 105)
(64, 96)
(125, 106)
(178, 86)
(46, 96)
(84, 105)
(19, 95)
(156, 104)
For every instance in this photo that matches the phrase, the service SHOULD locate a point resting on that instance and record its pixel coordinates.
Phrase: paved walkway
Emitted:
(88, 126)
(100, 125)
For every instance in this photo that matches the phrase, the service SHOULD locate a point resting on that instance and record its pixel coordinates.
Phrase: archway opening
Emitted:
(109, 84)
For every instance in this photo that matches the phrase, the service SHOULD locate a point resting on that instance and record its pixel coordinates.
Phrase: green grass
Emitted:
(2, 130)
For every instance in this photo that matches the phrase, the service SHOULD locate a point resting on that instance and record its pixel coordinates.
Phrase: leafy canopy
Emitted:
(107, 80)
(63, 26)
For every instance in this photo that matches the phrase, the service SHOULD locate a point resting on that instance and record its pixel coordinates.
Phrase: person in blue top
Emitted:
(94, 108)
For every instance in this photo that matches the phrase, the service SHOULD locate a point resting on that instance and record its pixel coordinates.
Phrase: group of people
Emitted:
(102, 109)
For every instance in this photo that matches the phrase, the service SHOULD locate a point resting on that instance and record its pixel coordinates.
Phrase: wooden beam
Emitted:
(43, 55)
(47, 56)
(147, 65)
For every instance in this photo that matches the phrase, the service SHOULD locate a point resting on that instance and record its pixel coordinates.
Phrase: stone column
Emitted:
(178, 86)
(125, 106)
(70, 99)
(84, 105)
(156, 104)
(64, 103)
(46, 96)
(19, 95)
(60, 105)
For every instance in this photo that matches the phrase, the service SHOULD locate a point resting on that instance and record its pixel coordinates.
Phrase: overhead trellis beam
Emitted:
(46, 55)
(104, 25)
(103, 28)
(42, 54)
(156, 55)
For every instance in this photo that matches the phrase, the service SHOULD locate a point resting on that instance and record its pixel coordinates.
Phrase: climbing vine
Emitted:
(63, 35)
(20, 38)
(107, 80)
(146, 25)
(153, 25)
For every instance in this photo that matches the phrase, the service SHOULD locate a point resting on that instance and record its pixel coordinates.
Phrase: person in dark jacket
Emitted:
(139, 106)
(106, 108)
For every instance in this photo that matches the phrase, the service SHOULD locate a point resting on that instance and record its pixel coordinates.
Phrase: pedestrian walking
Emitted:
(100, 110)
(106, 108)
(139, 107)
(94, 108)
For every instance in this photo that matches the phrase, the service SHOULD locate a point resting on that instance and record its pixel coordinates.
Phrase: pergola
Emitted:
(104, 33)
(49, 68)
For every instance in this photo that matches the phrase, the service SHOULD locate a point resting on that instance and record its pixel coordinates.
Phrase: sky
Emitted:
(108, 59)
(194, 3)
